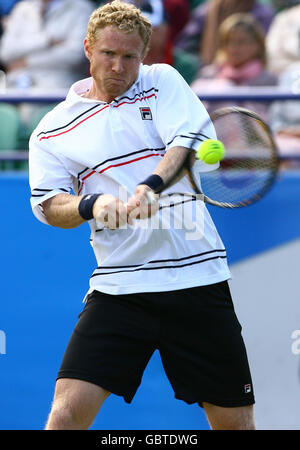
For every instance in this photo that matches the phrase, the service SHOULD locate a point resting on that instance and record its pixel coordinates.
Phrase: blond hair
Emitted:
(124, 16)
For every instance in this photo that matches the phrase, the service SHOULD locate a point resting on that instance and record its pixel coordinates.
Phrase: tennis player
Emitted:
(127, 128)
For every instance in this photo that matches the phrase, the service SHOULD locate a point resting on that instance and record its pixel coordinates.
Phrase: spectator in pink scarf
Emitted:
(240, 59)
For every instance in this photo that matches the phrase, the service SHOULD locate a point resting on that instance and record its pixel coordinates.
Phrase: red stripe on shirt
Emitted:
(118, 165)
(97, 112)
(79, 123)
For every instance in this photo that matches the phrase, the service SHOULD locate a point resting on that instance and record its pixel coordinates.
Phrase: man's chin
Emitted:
(117, 91)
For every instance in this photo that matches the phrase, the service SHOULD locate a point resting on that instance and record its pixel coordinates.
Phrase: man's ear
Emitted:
(87, 49)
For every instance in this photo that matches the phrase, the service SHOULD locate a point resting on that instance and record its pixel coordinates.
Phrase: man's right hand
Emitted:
(110, 211)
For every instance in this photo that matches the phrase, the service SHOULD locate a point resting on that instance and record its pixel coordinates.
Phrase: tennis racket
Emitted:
(246, 173)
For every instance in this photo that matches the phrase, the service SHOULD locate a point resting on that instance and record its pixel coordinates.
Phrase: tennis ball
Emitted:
(211, 151)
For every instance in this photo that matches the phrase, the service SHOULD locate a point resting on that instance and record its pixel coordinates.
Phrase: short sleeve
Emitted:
(47, 176)
(181, 116)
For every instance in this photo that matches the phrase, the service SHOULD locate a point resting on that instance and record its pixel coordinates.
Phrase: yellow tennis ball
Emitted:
(211, 151)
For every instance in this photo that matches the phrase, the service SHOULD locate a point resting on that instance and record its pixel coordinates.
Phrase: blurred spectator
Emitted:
(1, 31)
(178, 12)
(42, 48)
(240, 60)
(159, 51)
(41, 45)
(5, 8)
(283, 37)
(199, 35)
(285, 115)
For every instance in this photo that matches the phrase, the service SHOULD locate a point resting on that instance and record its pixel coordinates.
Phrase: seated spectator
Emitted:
(282, 39)
(199, 35)
(2, 67)
(41, 45)
(178, 12)
(41, 48)
(159, 51)
(285, 115)
(5, 8)
(240, 60)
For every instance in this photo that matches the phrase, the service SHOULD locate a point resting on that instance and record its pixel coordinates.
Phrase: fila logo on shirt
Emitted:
(146, 113)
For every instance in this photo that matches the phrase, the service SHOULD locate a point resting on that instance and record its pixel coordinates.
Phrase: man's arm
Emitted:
(62, 211)
(170, 165)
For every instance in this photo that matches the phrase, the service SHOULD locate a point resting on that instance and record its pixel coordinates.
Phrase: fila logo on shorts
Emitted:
(146, 113)
(247, 388)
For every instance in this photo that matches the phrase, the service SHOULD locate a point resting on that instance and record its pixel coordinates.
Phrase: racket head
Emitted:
(250, 166)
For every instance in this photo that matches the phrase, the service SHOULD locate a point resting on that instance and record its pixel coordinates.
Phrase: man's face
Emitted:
(114, 62)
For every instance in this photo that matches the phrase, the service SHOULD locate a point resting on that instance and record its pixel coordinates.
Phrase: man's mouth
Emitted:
(117, 80)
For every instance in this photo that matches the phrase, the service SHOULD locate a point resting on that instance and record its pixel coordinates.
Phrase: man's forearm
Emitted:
(171, 163)
(62, 211)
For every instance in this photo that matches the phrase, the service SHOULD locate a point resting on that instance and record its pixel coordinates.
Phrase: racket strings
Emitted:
(248, 167)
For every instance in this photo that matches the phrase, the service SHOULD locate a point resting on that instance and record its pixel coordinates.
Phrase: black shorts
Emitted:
(195, 330)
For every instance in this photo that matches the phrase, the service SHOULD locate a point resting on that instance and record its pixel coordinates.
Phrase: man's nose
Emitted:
(117, 65)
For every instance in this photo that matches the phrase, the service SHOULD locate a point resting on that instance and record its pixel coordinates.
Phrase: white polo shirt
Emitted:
(86, 146)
